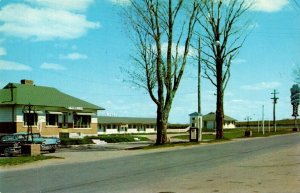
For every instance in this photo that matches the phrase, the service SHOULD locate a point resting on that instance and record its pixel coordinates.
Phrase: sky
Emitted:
(80, 47)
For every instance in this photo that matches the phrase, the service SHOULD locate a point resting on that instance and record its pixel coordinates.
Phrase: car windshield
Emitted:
(8, 138)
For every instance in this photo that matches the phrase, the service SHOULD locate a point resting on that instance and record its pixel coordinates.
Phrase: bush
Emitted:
(177, 126)
(119, 138)
(106, 138)
(70, 141)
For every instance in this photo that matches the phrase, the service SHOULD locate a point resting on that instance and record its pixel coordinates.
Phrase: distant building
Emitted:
(209, 121)
(122, 125)
(53, 113)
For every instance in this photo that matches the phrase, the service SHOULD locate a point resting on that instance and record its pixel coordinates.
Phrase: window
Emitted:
(82, 121)
(102, 128)
(141, 128)
(30, 119)
(52, 119)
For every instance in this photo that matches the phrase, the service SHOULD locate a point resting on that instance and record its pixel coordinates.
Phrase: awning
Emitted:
(86, 114)
(54, 113)
(37, 112)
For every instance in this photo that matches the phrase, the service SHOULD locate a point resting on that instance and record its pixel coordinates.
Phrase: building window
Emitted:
(141, 128)
(102, 128)
(30, 119)
(109, 126)
(52, 119)
(82, 121)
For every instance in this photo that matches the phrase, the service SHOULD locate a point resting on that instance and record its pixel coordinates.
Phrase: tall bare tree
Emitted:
(296, 73)
(223, 34)
(162, 32)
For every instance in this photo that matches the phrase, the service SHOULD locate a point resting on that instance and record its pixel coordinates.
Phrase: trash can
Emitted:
(194, 134)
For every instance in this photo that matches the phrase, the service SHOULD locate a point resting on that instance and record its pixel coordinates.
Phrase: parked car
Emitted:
(47, 143)
(10, 145)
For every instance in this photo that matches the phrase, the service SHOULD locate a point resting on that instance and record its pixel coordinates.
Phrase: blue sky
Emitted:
(80, 46)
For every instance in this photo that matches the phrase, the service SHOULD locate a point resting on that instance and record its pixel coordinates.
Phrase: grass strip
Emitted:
(11, 161)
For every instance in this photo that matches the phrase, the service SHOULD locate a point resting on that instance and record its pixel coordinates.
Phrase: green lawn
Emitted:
(11, 161)
(235, 133)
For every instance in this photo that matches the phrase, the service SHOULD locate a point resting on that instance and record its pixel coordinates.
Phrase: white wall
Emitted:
(111, 131)
(94, 120)
(229, 126)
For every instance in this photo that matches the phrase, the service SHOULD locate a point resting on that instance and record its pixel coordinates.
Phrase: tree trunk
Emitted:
(219, 117)
(220, 94)
(162, 125)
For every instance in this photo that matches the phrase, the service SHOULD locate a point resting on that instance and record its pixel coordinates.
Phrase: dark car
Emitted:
(10, 145)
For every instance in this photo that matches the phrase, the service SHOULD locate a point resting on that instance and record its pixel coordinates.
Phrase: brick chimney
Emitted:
(27, 82)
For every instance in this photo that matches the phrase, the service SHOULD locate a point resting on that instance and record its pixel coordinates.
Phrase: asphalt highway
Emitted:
(258, 165)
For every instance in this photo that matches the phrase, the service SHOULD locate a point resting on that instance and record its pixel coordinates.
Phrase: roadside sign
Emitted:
(295, 94)
(295, 100)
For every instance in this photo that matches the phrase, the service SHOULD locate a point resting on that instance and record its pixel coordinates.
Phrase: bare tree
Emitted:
(296, 73)
(223, 36)
(162, 32)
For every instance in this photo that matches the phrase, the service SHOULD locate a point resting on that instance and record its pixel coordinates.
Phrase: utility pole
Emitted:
(274, 93)
(199, 77)
(199, 91)
(263, 119)
(30, 111)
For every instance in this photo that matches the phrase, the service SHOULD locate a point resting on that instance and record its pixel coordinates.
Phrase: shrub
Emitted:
(70, 141)
(106, 138)
(119, 138)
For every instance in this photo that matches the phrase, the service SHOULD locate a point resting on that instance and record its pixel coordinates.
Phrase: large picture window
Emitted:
(82, 121)
(52, 119)
(30, 119)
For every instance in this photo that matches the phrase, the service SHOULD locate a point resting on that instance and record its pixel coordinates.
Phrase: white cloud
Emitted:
(261, 86)
(120, 2)
(74, 56)
(52, 66)
(43, 23)
(2, 51)
(8, 65)
(269, 5)
(239, 61)
(164, 48)
(77, 5)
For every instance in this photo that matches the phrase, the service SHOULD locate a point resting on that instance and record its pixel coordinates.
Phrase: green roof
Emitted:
(125, 120)
(24, 94)
(212, 117)
(195, 114)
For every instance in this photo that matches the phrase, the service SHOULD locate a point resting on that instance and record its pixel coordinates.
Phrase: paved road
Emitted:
(260, 165)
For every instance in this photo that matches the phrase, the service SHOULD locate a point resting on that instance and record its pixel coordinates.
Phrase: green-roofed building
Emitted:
(50, 111)
(209, 121)
(118, 125)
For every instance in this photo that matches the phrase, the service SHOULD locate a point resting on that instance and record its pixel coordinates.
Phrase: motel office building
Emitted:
(52, 113)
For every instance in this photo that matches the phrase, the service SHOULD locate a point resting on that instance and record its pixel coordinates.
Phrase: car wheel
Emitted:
(6, 153)
(52, 151)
